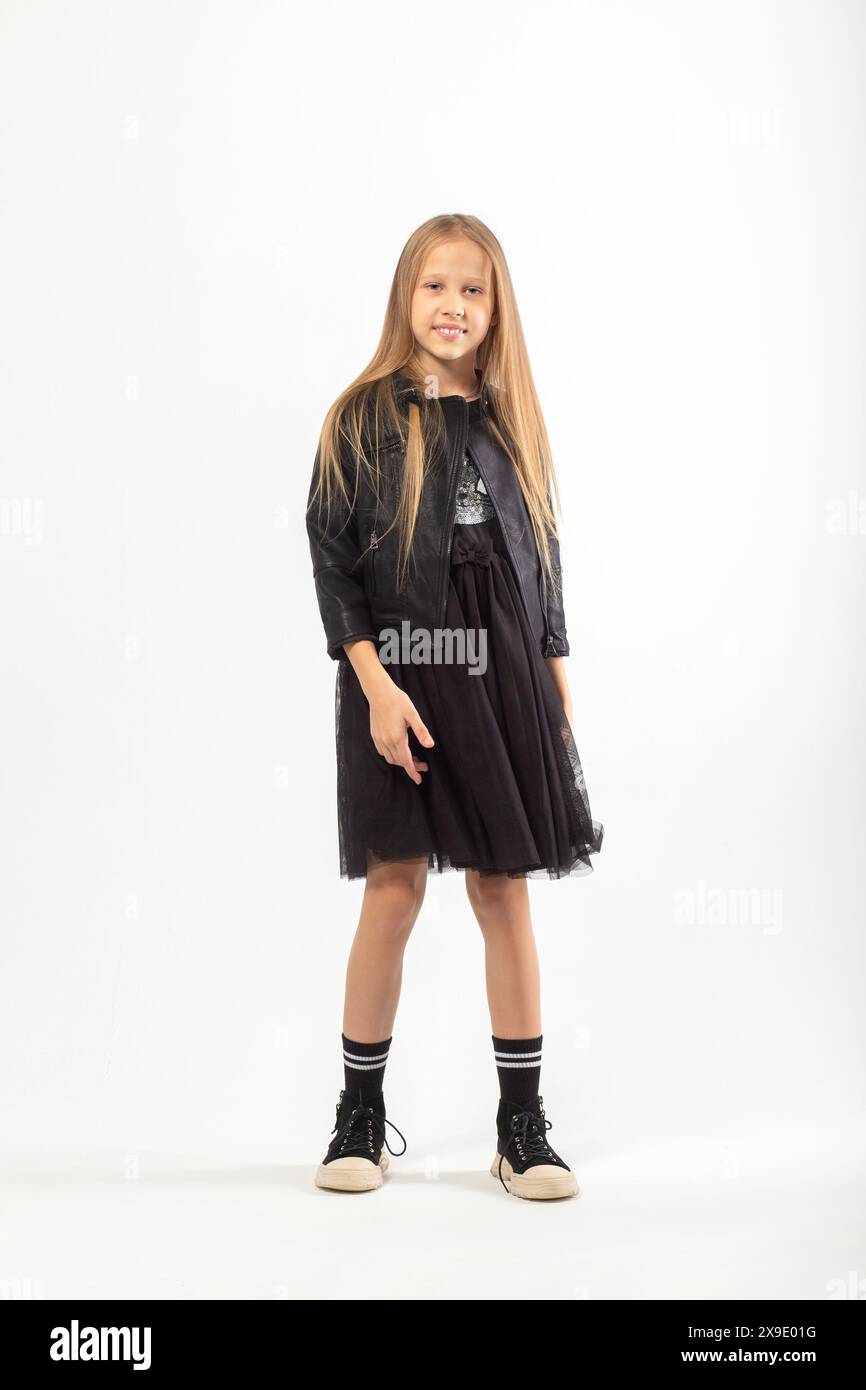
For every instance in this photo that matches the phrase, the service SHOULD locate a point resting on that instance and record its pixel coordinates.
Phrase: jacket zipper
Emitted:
(374, 546)
(448, 538)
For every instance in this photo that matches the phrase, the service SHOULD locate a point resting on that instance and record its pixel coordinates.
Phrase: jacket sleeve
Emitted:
(338, 569)
(557, 638)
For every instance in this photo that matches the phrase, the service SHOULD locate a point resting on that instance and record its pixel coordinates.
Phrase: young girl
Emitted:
(436, 563)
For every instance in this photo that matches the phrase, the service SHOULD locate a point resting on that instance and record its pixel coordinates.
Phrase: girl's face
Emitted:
(452, 306)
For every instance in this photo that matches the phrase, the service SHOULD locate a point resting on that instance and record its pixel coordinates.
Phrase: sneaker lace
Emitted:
(528, 1131)
(356, 1135)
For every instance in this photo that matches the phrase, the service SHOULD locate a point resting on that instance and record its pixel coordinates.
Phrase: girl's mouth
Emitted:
(445, 331)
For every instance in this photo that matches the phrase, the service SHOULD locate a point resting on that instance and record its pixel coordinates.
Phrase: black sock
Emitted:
(364, 1066)
(518, 1064)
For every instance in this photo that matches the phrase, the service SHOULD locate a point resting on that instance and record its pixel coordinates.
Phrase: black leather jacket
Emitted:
(357, 593)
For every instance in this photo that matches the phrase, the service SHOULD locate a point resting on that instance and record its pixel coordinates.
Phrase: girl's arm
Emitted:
(391, 711)
(556, 667)
(557, 644)
(557, 635)
(338, 570)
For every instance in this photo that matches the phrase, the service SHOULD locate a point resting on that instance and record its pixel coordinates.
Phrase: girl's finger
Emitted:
(419, 728)
(406, 761)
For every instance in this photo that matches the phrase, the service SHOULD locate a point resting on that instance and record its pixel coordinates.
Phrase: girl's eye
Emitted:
(436, 285)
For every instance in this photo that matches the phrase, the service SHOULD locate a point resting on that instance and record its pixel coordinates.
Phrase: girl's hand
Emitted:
(391, 714)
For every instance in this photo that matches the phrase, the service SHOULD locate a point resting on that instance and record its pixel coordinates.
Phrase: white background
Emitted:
(203, 206)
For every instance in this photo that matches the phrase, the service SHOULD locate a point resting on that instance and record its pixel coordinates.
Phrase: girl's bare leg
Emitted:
(392, 900)
(526, 1166)
(501, 907)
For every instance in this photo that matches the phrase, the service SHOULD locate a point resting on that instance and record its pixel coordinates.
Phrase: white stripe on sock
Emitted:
(361, 1066)
(360, 1057)
(508, 1056)
(518, 1064)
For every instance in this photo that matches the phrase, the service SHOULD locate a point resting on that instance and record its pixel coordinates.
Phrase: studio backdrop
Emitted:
(203, 206)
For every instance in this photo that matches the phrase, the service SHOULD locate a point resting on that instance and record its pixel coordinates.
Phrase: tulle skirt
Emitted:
(505, 791)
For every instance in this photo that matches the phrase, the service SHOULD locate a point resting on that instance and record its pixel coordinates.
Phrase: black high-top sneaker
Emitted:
(525, 1163)
(355, 1160)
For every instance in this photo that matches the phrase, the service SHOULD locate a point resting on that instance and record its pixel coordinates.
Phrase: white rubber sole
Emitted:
(352, 1174)
(543, 1183)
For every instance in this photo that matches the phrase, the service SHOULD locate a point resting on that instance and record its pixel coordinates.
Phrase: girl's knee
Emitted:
(494, 896)
(395, 895)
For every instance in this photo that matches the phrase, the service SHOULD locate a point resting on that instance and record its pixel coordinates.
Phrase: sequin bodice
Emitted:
(473, 501)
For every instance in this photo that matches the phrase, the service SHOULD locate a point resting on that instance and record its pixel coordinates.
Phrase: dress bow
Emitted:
(477, 549)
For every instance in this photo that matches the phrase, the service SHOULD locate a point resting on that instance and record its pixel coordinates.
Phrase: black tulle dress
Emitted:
(505, 790)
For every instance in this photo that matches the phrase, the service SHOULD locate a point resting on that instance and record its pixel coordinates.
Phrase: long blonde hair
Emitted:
(368, 406)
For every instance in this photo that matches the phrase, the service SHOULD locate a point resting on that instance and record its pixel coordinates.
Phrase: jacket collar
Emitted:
(405, 389)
